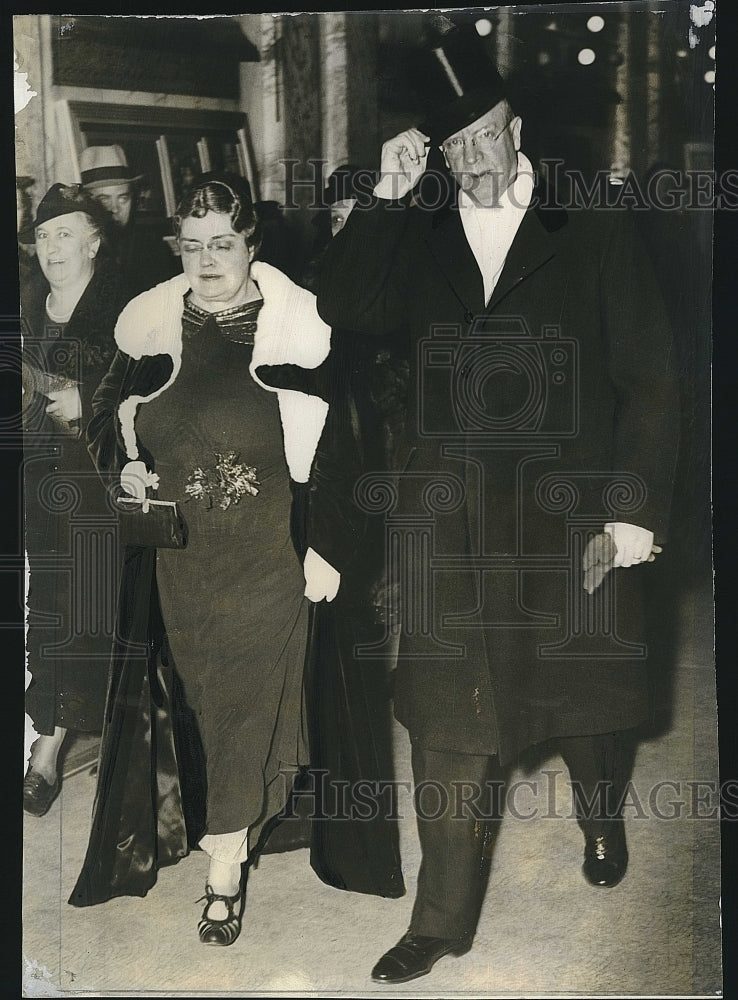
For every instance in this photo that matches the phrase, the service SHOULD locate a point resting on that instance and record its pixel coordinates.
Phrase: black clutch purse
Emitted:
(155, 523)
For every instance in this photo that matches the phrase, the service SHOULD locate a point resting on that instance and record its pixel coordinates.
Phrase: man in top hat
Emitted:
(142, 255)
(541, 445)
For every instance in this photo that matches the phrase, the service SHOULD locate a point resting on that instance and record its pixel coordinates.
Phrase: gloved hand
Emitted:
(632, 544)
(601, 555)
(321, 579)
(135, 479)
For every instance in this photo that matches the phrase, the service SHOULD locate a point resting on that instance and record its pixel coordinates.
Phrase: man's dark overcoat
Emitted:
(534, 419)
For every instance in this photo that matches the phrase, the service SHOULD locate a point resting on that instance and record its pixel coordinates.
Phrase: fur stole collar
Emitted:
(289, 331)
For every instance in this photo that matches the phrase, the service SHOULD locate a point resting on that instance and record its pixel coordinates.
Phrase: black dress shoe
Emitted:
(605, 854)
(38, 794)
(414, 955)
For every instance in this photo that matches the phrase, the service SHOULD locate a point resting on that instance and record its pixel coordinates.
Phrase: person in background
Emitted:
(280, 245)
(143, 257)
(376, 366)
(68, 313)
(28, 268)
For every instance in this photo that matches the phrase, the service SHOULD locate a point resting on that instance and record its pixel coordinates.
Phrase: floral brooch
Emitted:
(224, 483)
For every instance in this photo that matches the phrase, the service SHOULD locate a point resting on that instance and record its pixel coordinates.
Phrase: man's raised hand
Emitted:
(404, 157)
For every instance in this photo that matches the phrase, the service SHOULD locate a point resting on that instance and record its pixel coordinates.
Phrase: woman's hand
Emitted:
(403, 162)
(65, 406)
(321, 579)
(135, 479)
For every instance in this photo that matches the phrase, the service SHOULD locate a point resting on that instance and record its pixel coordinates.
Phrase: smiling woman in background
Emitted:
(69, 312)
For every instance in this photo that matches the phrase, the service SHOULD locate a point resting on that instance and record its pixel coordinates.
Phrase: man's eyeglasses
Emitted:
(484, 139)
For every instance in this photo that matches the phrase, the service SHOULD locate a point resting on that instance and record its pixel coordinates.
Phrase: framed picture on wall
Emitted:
(184, 160)
(169, 147)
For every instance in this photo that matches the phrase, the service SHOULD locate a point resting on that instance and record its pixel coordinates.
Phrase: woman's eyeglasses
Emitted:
(216, 246)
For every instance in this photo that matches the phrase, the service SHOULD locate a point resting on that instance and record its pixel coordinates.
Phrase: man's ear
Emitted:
(94, 247)
(516, 127)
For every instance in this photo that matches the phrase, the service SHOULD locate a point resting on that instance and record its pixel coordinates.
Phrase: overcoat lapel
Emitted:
(448, 245)
(534, 245)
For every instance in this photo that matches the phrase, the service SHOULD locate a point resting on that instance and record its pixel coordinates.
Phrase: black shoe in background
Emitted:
(38, 794)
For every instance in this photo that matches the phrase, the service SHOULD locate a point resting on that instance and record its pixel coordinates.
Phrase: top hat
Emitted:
(461, 76)
(101, 166)
(62, 199)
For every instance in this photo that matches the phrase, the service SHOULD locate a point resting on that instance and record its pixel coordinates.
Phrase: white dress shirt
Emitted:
(490, 231)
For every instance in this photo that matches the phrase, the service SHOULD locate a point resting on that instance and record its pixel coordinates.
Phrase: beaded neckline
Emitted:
(237, 323)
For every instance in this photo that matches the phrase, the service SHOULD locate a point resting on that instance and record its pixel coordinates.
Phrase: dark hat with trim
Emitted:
(63, 199)
(101, 166)
(461, 71)
(349, 181)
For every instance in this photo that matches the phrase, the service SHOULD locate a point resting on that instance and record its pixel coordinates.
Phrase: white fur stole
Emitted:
(289, 331)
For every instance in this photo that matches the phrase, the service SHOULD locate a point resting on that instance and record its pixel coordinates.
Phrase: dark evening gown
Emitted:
(232, 601)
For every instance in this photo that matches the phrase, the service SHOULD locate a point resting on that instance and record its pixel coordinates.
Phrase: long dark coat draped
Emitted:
(533, 419)
(70, 527)
(364, 382)
(149, 805)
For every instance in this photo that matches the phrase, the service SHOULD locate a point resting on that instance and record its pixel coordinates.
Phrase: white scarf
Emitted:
(490, 231)
(288, 331)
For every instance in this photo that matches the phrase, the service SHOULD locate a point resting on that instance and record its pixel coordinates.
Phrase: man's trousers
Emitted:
(459, 801)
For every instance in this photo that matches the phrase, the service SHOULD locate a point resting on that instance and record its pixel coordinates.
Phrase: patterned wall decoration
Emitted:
(300, 58)
(362, 87)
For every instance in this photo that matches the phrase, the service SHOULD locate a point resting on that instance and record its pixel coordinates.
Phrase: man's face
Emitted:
(483, 157)
(117, 199)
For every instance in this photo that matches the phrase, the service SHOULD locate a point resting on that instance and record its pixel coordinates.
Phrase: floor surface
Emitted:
(543, 931)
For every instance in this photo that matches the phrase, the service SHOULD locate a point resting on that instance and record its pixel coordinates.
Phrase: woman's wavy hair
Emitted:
(226, 193)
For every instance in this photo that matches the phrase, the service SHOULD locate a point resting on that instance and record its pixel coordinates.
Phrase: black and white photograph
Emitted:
(366, 557)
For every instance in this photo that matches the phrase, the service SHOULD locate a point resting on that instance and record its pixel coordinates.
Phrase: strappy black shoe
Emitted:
(220, 932)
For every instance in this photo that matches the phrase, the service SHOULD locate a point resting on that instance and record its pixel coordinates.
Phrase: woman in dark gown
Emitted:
(182, 416)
